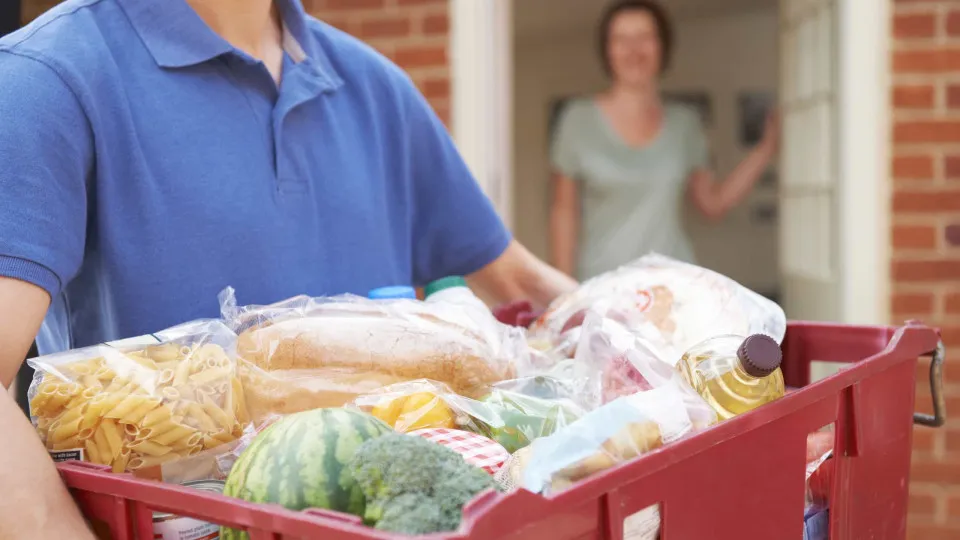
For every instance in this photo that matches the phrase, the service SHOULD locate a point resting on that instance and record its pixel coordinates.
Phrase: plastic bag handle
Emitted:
(939, 416)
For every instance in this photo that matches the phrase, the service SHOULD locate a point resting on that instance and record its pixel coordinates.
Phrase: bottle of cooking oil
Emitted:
(735, 374)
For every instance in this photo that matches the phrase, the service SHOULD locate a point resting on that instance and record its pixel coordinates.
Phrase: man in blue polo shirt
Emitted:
(153, 152)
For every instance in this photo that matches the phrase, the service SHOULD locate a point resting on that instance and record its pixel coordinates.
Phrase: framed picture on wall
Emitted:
(754, 108)
(699, 100)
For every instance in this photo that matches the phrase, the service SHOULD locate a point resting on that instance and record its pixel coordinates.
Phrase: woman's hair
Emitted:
(660, 18)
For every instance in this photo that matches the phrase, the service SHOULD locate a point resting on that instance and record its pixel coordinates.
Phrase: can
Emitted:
(173, 527)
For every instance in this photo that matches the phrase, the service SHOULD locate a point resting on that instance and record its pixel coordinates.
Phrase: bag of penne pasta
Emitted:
(139, 403)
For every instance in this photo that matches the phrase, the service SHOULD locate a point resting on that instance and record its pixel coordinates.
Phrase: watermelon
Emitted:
(301, 462)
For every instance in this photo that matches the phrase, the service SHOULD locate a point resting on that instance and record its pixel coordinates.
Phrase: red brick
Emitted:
(422, 2)
(923, 439)
(436, 24)
(953, 440)
(926, 201)
(926, 131)
(952, 303)
(953, 96)
(914, 25)
(913, 97)
(926, 271)
(414, 57)
(384, 28)
(935, 472)
(922, 504)
(912, 303)
(951, 234)
(951, 338)
(953, 23)
(348, 5)
(435, 88)
(951, 167)
(931, 531)
(914, 167)
(915, 237)
(939, 60)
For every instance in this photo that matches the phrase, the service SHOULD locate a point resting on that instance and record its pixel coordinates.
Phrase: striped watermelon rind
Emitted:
(301, 462)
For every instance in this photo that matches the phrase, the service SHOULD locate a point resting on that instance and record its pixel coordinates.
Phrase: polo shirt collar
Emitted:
(177, 37)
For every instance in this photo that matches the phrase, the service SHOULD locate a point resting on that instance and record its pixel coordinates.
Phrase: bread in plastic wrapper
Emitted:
(142, 402)
(672, 304)
(305, 353)
(619, 431)
(512, 419)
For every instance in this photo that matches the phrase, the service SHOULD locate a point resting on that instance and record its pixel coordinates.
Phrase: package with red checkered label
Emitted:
(476, 449)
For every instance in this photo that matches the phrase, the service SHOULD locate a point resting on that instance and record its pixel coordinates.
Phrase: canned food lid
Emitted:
(212, 486)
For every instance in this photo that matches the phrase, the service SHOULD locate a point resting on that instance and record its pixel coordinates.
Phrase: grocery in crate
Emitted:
(400, 411)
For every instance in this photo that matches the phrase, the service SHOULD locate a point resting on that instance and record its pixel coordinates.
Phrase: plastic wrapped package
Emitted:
(139, 403)
(816, 514)
(672, 304)
(511, 418)
(306, 353)
(619, 431)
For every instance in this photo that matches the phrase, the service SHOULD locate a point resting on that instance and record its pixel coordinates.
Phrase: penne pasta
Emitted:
(165, 377)
(150, 448)
(126, 407)
(170, 393)
(219, 416)
(210, 375)
(190, 440)
(173, 435)
(114, 436)
(156, 416)
(224, 436)
(93, 454)
(68, 444)
(64, 431)
(138, 414)
(144, 462)
(120, 463)
(196, 412)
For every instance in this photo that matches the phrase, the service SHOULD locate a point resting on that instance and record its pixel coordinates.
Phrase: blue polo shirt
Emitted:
(146, 164)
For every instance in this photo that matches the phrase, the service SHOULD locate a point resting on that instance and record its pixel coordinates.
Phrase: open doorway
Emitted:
(725, 65)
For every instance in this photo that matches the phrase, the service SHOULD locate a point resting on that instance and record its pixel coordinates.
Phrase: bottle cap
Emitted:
(392, 293)
(443, 284)
(760, 355)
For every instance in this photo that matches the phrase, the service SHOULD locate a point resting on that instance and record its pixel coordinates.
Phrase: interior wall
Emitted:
(722, 55)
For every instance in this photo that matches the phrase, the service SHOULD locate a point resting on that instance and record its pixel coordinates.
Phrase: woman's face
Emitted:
(634, 48)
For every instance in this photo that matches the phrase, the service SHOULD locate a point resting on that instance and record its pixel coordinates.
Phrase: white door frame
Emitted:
(481, 73)
(481, 53)
(864, 160)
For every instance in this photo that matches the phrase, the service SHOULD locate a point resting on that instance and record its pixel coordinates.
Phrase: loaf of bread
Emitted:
(338, 351)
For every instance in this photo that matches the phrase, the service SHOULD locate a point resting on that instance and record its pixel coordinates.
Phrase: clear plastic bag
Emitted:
(816, 516)
(672, 304)
(139, 403)
(512, 418)
(305, 353)
(619, 431)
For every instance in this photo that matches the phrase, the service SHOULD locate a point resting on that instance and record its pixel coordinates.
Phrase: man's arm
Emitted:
(519, 275)
(36, 504)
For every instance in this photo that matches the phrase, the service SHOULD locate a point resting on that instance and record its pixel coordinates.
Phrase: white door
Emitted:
(834, 179)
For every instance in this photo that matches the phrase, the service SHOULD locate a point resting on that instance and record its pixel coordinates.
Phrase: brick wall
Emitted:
(412, 33)
(926, 234)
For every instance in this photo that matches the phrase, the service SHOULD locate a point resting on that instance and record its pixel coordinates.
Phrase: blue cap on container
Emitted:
(391, 293)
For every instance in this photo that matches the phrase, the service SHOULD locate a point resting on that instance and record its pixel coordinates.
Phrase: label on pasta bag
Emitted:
(74, 454)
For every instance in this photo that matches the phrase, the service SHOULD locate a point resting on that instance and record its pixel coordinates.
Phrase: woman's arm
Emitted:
(715, 199)
(564, 224)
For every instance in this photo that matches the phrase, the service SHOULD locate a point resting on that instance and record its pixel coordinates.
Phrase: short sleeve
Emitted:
(564, 154)
(47, 148)
(456, 228)
(698, 150)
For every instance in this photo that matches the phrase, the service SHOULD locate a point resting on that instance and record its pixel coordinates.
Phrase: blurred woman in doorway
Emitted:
(624, 161)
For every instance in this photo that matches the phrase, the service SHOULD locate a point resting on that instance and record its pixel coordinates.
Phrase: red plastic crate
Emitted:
(743, 479)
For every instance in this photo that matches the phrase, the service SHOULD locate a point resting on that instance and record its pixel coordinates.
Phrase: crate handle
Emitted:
(939, 416)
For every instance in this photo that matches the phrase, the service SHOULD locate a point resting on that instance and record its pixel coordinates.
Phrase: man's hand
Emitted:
(36, 504)
(517, 275)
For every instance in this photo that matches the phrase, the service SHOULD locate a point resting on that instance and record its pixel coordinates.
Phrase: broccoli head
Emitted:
(415, 486)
